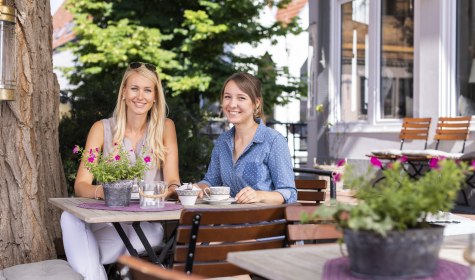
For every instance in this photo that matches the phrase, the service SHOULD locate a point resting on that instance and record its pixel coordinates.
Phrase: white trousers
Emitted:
(89, 246)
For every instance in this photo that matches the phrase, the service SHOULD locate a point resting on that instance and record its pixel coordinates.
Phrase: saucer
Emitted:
(220, 201)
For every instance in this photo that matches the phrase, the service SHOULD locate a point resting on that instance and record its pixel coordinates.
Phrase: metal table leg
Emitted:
(151, 253)
(125, 239)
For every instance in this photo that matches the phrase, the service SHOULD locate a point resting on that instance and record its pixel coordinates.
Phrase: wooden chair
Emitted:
(205, 236)
(415, 129)
(310, 192)
(315, 233)
(455, 129)
(135, 268)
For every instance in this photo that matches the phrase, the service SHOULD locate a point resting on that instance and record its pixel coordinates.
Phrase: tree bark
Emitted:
(30, 163)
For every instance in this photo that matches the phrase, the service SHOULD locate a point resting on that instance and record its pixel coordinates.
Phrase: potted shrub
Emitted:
(387, 233)
(115, 172)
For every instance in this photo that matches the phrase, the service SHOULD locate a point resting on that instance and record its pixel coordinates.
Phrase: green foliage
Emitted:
(397, 202)
(190, 41)
(114, 167)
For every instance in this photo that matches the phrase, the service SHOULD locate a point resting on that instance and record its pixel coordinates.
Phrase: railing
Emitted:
(295, 133)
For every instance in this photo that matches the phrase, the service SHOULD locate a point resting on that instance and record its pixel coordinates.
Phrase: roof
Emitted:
(286, 14)
(63, 25)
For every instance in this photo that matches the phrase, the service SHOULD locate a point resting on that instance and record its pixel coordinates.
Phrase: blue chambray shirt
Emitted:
(265, 164)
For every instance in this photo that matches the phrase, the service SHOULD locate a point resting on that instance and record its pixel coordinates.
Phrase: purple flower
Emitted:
(434, 163)
(336, 177)
(97, 150)
(76, 149)
(146, 159)
(341, 162)
(403, 159)
(376, 162)
(473, 164)
(90, 159)
(117, 157)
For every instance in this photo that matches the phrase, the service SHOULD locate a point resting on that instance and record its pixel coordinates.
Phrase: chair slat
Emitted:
(213, 269)
(311, 184)
(224, 233)
(216, 252)
(312, 196)
(313, 232)
(140, 269)
(463, 118)
(231, 216)
(293, 213)
(450, 137)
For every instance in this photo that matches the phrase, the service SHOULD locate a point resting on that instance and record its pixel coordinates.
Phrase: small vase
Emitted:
(117, 194)
(406, 254)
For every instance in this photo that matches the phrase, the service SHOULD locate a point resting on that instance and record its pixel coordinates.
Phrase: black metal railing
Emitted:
(295, 133)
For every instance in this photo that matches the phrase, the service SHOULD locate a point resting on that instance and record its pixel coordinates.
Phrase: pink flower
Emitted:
(76, 149)
(434, 163)
(376, 162)
(117, 157)
(341, 162)
(90, 159)
(403, 159)
(390, 165)
(336, 177)
(473, 164)
(146, 159)
(97, 149)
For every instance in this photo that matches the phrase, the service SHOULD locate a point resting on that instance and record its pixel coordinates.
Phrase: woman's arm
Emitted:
(170, 166)
(83, 185)
(249, 195)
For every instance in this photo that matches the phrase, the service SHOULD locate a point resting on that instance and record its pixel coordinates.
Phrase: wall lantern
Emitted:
(7, 52)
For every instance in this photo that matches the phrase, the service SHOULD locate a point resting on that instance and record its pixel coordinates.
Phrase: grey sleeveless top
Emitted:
(153, 174)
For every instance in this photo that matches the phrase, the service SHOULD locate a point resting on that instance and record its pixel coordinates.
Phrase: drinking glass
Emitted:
(152, 194)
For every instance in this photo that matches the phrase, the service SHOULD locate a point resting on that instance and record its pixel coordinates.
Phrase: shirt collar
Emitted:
(258, 137)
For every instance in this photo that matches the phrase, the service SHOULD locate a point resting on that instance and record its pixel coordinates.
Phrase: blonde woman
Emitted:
(138, 122)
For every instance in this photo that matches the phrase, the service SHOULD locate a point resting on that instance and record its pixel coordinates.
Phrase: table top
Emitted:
(70, 205)
(307, 261)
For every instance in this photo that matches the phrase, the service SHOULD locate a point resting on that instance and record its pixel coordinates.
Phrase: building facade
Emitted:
(374, 62)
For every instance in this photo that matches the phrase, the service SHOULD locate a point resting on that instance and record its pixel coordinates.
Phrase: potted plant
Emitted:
(387, 233)
(115, 172)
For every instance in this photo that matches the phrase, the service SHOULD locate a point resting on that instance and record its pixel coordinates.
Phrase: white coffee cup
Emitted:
(217, 192)
(187, 196)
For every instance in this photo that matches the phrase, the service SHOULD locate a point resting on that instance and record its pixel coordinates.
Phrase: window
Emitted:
(354, 72)
(465, 58)
(360, 44)
(397, 59)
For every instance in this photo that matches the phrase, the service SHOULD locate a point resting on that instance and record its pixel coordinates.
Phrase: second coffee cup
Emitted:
(217, 192)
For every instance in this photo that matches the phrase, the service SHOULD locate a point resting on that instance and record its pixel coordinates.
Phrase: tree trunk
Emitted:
(30, 163)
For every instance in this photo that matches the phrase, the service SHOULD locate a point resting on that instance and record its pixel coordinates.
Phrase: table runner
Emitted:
(133, 207)
(339, 269)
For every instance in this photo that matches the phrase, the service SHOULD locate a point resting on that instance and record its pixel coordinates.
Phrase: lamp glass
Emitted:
(7, 55)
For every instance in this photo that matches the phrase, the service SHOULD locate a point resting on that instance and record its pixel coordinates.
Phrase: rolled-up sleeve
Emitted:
(281, 170)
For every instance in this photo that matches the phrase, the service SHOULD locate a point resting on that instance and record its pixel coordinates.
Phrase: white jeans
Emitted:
(89, 246)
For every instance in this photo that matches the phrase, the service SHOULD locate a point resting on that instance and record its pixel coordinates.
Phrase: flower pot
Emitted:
(407, 254)
(117, 194)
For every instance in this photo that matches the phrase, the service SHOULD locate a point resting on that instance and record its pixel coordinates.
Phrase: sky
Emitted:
(55, 5)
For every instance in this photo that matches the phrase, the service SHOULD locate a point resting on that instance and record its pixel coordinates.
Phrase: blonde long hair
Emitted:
(155, 117)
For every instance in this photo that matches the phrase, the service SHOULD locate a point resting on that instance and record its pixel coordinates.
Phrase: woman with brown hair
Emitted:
(251, 158)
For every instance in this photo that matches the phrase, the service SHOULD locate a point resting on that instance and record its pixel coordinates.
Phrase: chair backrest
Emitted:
(322, 231)
(454, 128)
(138, 269)
(205, 236)
(311, 191)
(415, 129)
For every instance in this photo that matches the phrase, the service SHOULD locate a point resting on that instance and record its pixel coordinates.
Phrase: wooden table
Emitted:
(306, 262)
(116, 217)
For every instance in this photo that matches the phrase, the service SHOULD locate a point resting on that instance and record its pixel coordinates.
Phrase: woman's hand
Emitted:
(248, 195)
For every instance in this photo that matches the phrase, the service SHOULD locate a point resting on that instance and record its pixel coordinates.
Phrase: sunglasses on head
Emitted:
(135, 65)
